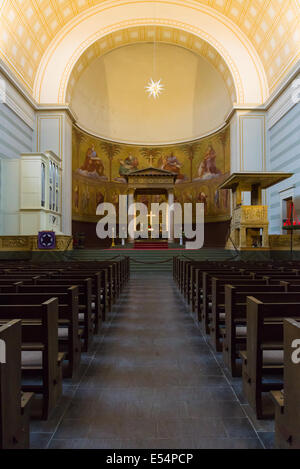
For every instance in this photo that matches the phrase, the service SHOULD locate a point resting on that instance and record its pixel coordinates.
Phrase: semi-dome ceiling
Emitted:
(142, 34)
(109, 97)
(28, 27)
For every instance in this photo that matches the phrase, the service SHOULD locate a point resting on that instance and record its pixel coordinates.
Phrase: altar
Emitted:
(152, 182)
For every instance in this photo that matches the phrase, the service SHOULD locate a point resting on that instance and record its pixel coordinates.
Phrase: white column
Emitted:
(171, 215)
(248, 144)
(130, 217)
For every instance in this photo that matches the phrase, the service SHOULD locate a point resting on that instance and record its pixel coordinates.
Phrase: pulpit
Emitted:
(249, 223)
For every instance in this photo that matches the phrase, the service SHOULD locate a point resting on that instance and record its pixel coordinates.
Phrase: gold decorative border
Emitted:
(30, 243)
(147, 22)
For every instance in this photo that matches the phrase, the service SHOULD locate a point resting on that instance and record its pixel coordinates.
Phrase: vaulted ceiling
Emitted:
(162, 34)
(28, 27)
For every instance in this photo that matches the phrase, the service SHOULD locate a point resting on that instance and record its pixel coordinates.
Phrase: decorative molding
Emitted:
(15, 100)
(144, 34)
(280, 242)
(287, 189)
(282, 105)
(22, 104)
(162, 144)
(92, 24)
(239, 89)
(30, 243)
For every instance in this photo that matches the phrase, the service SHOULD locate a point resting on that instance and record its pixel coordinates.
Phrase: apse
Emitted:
(110, 100)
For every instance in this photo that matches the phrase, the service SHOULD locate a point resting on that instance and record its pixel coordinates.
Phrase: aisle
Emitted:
(151, 382)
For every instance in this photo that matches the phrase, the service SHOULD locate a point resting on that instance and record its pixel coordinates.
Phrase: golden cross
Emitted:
(151, 216)
(150, 159)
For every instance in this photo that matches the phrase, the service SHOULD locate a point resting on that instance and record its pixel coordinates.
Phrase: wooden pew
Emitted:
(218, 305)
(287, 401)
(213, 286)
(276, 278)
(262, 362)
(40, 357)
(234, 331)
(69, 334)
(207, 292)
(200, 302)
(107, 285)
(117, 273)
(193, 266)
(99, 294)
(14, 405)
(11, 279)
(195, 282)
(218, 308)
(291, 285)
(85, 317)
(101, 291)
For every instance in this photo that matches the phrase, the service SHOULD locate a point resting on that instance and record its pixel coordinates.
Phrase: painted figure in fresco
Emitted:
(187, 197)
(129, 164)
(113, 198)
(202, 199)
(99, 198)
(92, 166)
(217, 199)
(171, 163)
(85, 201)
(76, 198)
(225, 198)
(207, 168)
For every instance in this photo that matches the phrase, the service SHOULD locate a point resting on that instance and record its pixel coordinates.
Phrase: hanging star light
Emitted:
(154, 88)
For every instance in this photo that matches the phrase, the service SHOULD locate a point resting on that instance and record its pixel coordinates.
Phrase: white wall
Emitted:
(248, 141)
(24, 129)
(284, 155)
(17, 119)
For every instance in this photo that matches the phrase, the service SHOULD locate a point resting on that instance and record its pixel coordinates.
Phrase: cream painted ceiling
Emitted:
(142, 34)
(195, 101)
(27, 27)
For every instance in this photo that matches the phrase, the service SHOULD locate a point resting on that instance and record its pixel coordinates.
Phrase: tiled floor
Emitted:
(152, 381)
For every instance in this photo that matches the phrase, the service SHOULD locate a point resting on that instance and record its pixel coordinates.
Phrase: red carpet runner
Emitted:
(151, 245)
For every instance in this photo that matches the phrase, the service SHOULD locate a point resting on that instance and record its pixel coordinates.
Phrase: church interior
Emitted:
(149, 243)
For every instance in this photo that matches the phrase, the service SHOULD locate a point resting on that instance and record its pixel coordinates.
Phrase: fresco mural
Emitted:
(100, 167)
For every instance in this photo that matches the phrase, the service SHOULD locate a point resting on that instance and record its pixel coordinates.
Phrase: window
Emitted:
(287, 211)
(43, 185)
(50, 185)
(53, 186)
(57, 189)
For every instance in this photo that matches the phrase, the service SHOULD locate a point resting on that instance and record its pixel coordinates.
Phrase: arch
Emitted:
(230, 42)
(146, 34)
